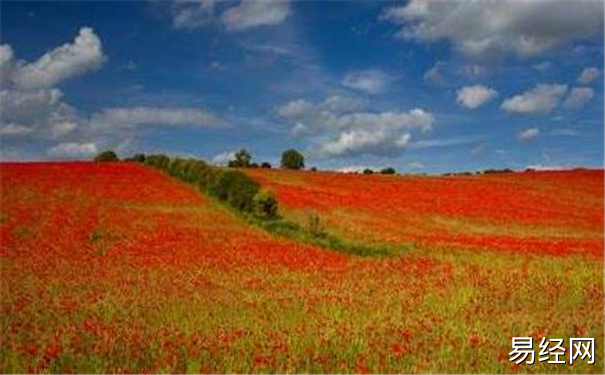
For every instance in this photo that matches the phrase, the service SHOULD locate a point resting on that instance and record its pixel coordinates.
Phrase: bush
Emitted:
(388, 170)
(264, 204)
(139, 158)
(157, 160)
(235, 188)
(107, 155)
(266, 165)
(368, 171)
(292, 159)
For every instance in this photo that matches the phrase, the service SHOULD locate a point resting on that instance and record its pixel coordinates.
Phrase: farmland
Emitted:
(117, 267)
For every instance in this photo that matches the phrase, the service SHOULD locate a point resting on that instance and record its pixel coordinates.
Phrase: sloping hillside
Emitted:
(115, 267)
(537, 212)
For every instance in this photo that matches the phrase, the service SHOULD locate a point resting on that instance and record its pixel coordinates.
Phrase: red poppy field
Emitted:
(116, 267)
(558, 212)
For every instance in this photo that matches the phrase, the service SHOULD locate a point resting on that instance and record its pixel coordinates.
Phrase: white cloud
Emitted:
(130, 117)
(371, 81)
(477, 29)
(385, 133)
(474, 96)
(435, 75)
(295, 109)
(588, 75)
(223, 158)
(14, 130)
(340, 127)
(446, 142)
(364, 141)
(527, 134)
(73, 150)
(310, 117)
(41, 111)
(542, 98)
(29, 102)
(578, 96)
(253, 13)
(69, 60)
(187, 15)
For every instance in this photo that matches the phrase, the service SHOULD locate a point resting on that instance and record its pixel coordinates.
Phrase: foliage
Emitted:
(107, 155)
(236, 188)
(292, 159)
(266, 165)
(264, 204)
(388, 170)
(368, 171)
(242, 159)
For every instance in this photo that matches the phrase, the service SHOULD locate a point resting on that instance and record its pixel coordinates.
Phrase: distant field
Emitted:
(115, 267)
(537, 212)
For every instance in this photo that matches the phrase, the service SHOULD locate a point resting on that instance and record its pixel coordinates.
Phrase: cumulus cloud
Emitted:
(42, 112)
(339, 126)
(29, 102)
(527, 134)
(252, 13)
(588, 75)
(578, 96)
(369, 81)
(73, 150)
(69, 60)
(310, 117)
(477, 29)
(475, 96)
(130, 117)
(364, 141)
(543, 98)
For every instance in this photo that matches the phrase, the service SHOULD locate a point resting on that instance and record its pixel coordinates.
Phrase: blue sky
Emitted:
(423, 86)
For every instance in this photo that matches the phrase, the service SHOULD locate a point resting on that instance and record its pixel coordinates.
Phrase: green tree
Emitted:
(292, 159)
(107, 155)
(242, 159)
(388, 170)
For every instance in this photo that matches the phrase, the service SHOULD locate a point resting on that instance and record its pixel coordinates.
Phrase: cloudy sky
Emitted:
(423, 86)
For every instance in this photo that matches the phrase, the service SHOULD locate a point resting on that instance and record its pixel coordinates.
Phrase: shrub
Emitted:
(235, 188)
(368, 171)
(107, 155)
(292, 159)
(264, 204)
(160, 161)
(139, 158)
(388, 170)
(266, 165)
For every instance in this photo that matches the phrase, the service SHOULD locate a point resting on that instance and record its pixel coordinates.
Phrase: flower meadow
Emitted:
(555, 212)
(119, 268)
